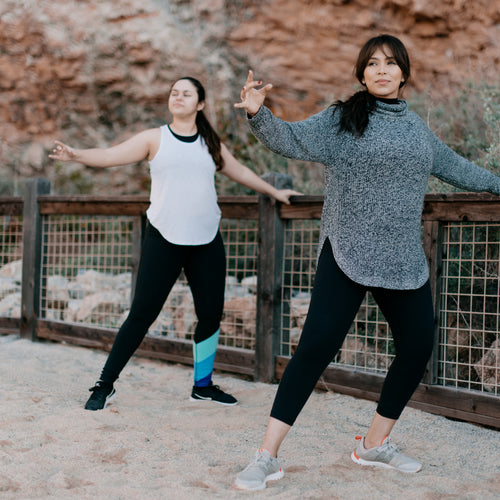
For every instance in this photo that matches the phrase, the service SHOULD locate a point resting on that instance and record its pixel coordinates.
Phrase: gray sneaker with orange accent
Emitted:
(386, 455)
(261, 469)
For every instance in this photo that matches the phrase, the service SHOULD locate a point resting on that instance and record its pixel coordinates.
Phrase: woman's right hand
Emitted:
(62, 152)
(252, 98)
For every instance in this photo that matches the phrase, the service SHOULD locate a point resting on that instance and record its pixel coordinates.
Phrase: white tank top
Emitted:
(183, 198)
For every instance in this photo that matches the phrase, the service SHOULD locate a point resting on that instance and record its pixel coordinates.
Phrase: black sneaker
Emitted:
(102, 394)
(212, 393)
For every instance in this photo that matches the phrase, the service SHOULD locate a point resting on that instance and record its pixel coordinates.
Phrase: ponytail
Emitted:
(355, 112)
(212, 140)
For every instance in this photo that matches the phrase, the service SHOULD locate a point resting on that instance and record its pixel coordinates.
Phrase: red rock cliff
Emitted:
(91, 72)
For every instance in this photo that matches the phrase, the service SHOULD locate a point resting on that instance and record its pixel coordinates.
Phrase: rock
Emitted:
(299, 306)
(57, 295)
(488, 368)
(10, 305)
(238, 322)
(87, 72)
(8, 286)
(96, 308)
(12, 270)
(250, 283)
(184, 318)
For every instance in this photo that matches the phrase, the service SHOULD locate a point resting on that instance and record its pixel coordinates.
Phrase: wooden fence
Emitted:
(265, 362)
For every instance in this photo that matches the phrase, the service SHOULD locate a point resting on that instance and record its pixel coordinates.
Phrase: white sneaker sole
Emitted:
(213, 400)
(272, 477)
(110, 398)
(382, 465)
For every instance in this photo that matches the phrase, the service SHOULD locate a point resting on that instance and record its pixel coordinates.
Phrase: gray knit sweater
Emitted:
(375, 186)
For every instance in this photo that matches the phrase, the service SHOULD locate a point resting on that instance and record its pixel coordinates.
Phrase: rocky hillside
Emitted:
(92, 72)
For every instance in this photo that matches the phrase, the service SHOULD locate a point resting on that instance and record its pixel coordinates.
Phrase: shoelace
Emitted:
(389, 449)
(262, 459)
(256, 461)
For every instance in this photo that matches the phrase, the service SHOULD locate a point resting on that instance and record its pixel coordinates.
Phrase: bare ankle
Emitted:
(372, 443)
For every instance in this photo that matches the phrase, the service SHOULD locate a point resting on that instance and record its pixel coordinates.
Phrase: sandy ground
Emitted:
(153, 443)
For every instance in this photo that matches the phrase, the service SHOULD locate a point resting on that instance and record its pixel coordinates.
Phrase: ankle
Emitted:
(369, 443)
(274, 455)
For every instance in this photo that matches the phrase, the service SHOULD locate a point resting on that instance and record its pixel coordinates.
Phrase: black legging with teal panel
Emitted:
(159, 267)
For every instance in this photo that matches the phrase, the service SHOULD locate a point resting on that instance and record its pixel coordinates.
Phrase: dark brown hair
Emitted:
(206, 130)
(355, 112)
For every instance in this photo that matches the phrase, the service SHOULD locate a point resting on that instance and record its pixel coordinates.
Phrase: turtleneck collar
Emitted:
(394, 107)
(393, 100)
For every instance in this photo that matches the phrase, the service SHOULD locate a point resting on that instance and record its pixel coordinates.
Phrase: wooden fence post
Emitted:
(269, 279)
(433, 248)
(32, 251)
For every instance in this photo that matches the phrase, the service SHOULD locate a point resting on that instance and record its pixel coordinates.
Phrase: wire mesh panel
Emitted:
(178, 319)
(368, 345)
(86, 274)
(470, 309)
(240, 303)
(11, 252)
(86, 278)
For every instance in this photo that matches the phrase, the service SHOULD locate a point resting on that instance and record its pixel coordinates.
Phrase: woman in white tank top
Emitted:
(182, 234)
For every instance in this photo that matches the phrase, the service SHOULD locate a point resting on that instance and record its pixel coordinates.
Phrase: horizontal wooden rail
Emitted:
(238, 207)
(9, 325)
(303, 207)
(470, 406)
(11, 205)
(229, 359)
(462, 207)
(445, 207)
(452, 207)
(93, 205)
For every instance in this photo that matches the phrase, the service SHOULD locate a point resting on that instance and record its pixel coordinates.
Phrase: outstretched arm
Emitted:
(456, 170)
(302, 140)
(237, 172)
(139, 147)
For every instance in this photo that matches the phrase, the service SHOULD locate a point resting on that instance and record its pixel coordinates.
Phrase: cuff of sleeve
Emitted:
(259, 117)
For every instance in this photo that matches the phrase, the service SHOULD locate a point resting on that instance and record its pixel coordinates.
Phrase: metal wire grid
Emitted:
(86, 275)
(470, 309)
(238, 325)
(86, 278)
(368, 345)
(237, 329)
(11, 253)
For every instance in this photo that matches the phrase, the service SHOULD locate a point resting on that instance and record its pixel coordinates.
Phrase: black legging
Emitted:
(159, 267)
(334, 303)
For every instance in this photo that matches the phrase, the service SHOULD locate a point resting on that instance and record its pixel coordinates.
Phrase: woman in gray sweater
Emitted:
(378, 157)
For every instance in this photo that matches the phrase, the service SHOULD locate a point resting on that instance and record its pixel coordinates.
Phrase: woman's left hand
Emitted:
(62, 152)
(283, 195)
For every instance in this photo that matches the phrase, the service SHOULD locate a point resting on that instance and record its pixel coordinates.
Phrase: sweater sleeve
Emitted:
(454, 169)
(303, 140)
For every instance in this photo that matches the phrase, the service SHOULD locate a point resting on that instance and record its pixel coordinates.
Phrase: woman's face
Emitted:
(382, 75)
(183, 99)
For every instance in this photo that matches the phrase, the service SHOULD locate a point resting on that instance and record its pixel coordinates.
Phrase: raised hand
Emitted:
(252, 97)
(62, 152)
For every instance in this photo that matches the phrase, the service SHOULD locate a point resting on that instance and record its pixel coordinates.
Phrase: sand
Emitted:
(153, 443)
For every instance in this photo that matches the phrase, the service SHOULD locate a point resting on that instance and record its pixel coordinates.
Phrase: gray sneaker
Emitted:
(263, 468)
(386, 455)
